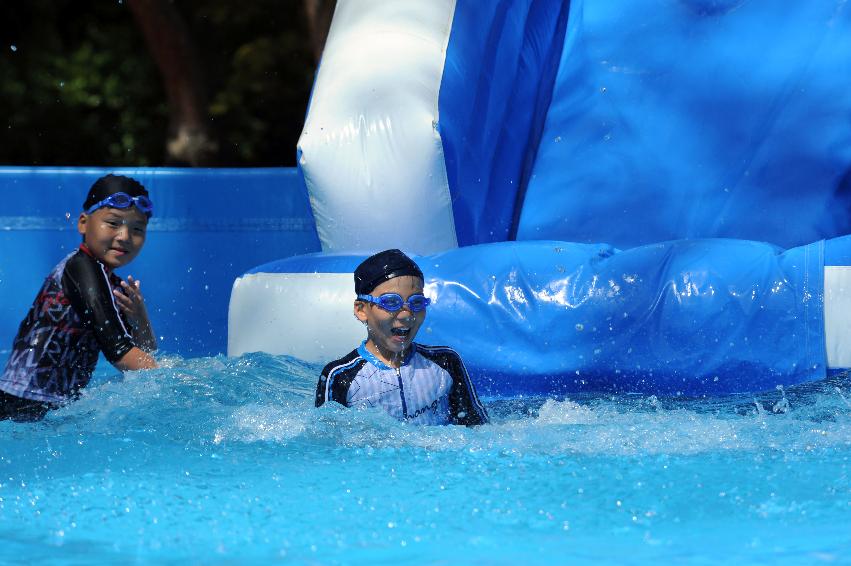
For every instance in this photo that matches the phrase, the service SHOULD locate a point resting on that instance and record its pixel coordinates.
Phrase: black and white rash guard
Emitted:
(431, 386)
(73, 317)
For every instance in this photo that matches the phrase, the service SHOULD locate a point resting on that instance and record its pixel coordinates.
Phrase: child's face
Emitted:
(115, 236)
(392, 332)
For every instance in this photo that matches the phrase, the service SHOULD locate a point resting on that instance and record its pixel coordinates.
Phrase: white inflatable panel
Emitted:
(370, 151)
(318, 307)
(837, 316)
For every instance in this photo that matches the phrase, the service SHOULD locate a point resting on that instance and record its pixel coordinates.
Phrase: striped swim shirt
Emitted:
(430, 387)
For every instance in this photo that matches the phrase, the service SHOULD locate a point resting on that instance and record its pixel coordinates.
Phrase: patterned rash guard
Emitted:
(431, 386)
(73, 317)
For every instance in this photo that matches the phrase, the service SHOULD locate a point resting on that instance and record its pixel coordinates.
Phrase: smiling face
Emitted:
(115, 236)
(389, 334)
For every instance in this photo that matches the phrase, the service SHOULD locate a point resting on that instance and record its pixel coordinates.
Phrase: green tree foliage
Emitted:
(260, 84)
(79, 87)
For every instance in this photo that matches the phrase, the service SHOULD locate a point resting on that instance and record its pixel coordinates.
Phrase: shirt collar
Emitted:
(85, 249)
(371, 358)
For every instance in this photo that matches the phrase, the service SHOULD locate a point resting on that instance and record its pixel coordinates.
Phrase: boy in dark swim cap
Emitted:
(84, 308)
(412, 382)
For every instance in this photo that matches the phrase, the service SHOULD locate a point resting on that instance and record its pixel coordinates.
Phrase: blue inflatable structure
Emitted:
(697, 141)
(603, 196)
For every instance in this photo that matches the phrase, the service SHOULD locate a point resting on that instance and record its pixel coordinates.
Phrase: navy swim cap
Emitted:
(381, 267)
(111, 184)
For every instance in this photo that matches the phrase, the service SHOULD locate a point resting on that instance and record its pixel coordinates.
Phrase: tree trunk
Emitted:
(319, 14)
(167, 37)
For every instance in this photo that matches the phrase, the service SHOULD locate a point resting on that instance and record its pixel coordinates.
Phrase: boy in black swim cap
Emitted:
(84, 308)
(412, 382)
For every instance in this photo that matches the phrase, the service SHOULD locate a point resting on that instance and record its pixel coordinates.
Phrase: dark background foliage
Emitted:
(78, 85)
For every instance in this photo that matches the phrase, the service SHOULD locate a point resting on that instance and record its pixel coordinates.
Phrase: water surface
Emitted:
(223, 460)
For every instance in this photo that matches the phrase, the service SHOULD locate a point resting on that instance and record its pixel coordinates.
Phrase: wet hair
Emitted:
(381, 267)
(111, 184)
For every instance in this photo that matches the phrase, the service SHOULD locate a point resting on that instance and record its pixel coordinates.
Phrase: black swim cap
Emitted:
(381, 267)
(111, 184)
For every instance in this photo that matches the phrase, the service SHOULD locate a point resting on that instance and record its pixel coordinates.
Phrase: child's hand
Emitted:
(130, 300)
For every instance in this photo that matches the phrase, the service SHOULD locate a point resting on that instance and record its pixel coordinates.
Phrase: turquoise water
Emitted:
(225, 460)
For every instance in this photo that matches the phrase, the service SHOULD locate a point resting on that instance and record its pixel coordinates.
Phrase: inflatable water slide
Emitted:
(610, 195)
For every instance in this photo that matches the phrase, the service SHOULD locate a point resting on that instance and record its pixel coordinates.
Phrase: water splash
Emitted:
(236, 444)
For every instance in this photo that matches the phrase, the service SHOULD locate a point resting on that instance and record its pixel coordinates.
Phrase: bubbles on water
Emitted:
(565, 412)
(251, 423)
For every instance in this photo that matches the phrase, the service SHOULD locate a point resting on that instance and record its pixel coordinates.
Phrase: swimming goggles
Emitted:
(123, 200)
(393, 302)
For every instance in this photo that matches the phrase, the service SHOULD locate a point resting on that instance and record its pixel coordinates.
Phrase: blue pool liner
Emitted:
(209, 226)
(686, 317)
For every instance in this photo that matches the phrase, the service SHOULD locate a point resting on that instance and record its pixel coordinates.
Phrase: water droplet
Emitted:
(603, 90)
(557, 139)
(67, 216)
(580, 327)
(13, 47)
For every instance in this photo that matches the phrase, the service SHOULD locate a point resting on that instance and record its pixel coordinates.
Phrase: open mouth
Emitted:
(401, 331)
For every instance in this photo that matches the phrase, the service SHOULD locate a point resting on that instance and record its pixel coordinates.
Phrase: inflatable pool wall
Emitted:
(683, 136)
(209, 227)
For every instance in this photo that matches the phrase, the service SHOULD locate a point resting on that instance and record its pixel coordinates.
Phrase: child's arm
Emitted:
(135, 359)
(131, 302)
(87, 286)
(465, 404)
(130, 299)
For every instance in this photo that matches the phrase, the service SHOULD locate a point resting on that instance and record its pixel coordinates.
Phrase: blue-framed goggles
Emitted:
(123, 200)
(393, 302)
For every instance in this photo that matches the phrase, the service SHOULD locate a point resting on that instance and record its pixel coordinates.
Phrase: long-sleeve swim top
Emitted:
(430, 387)
(73, 317)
